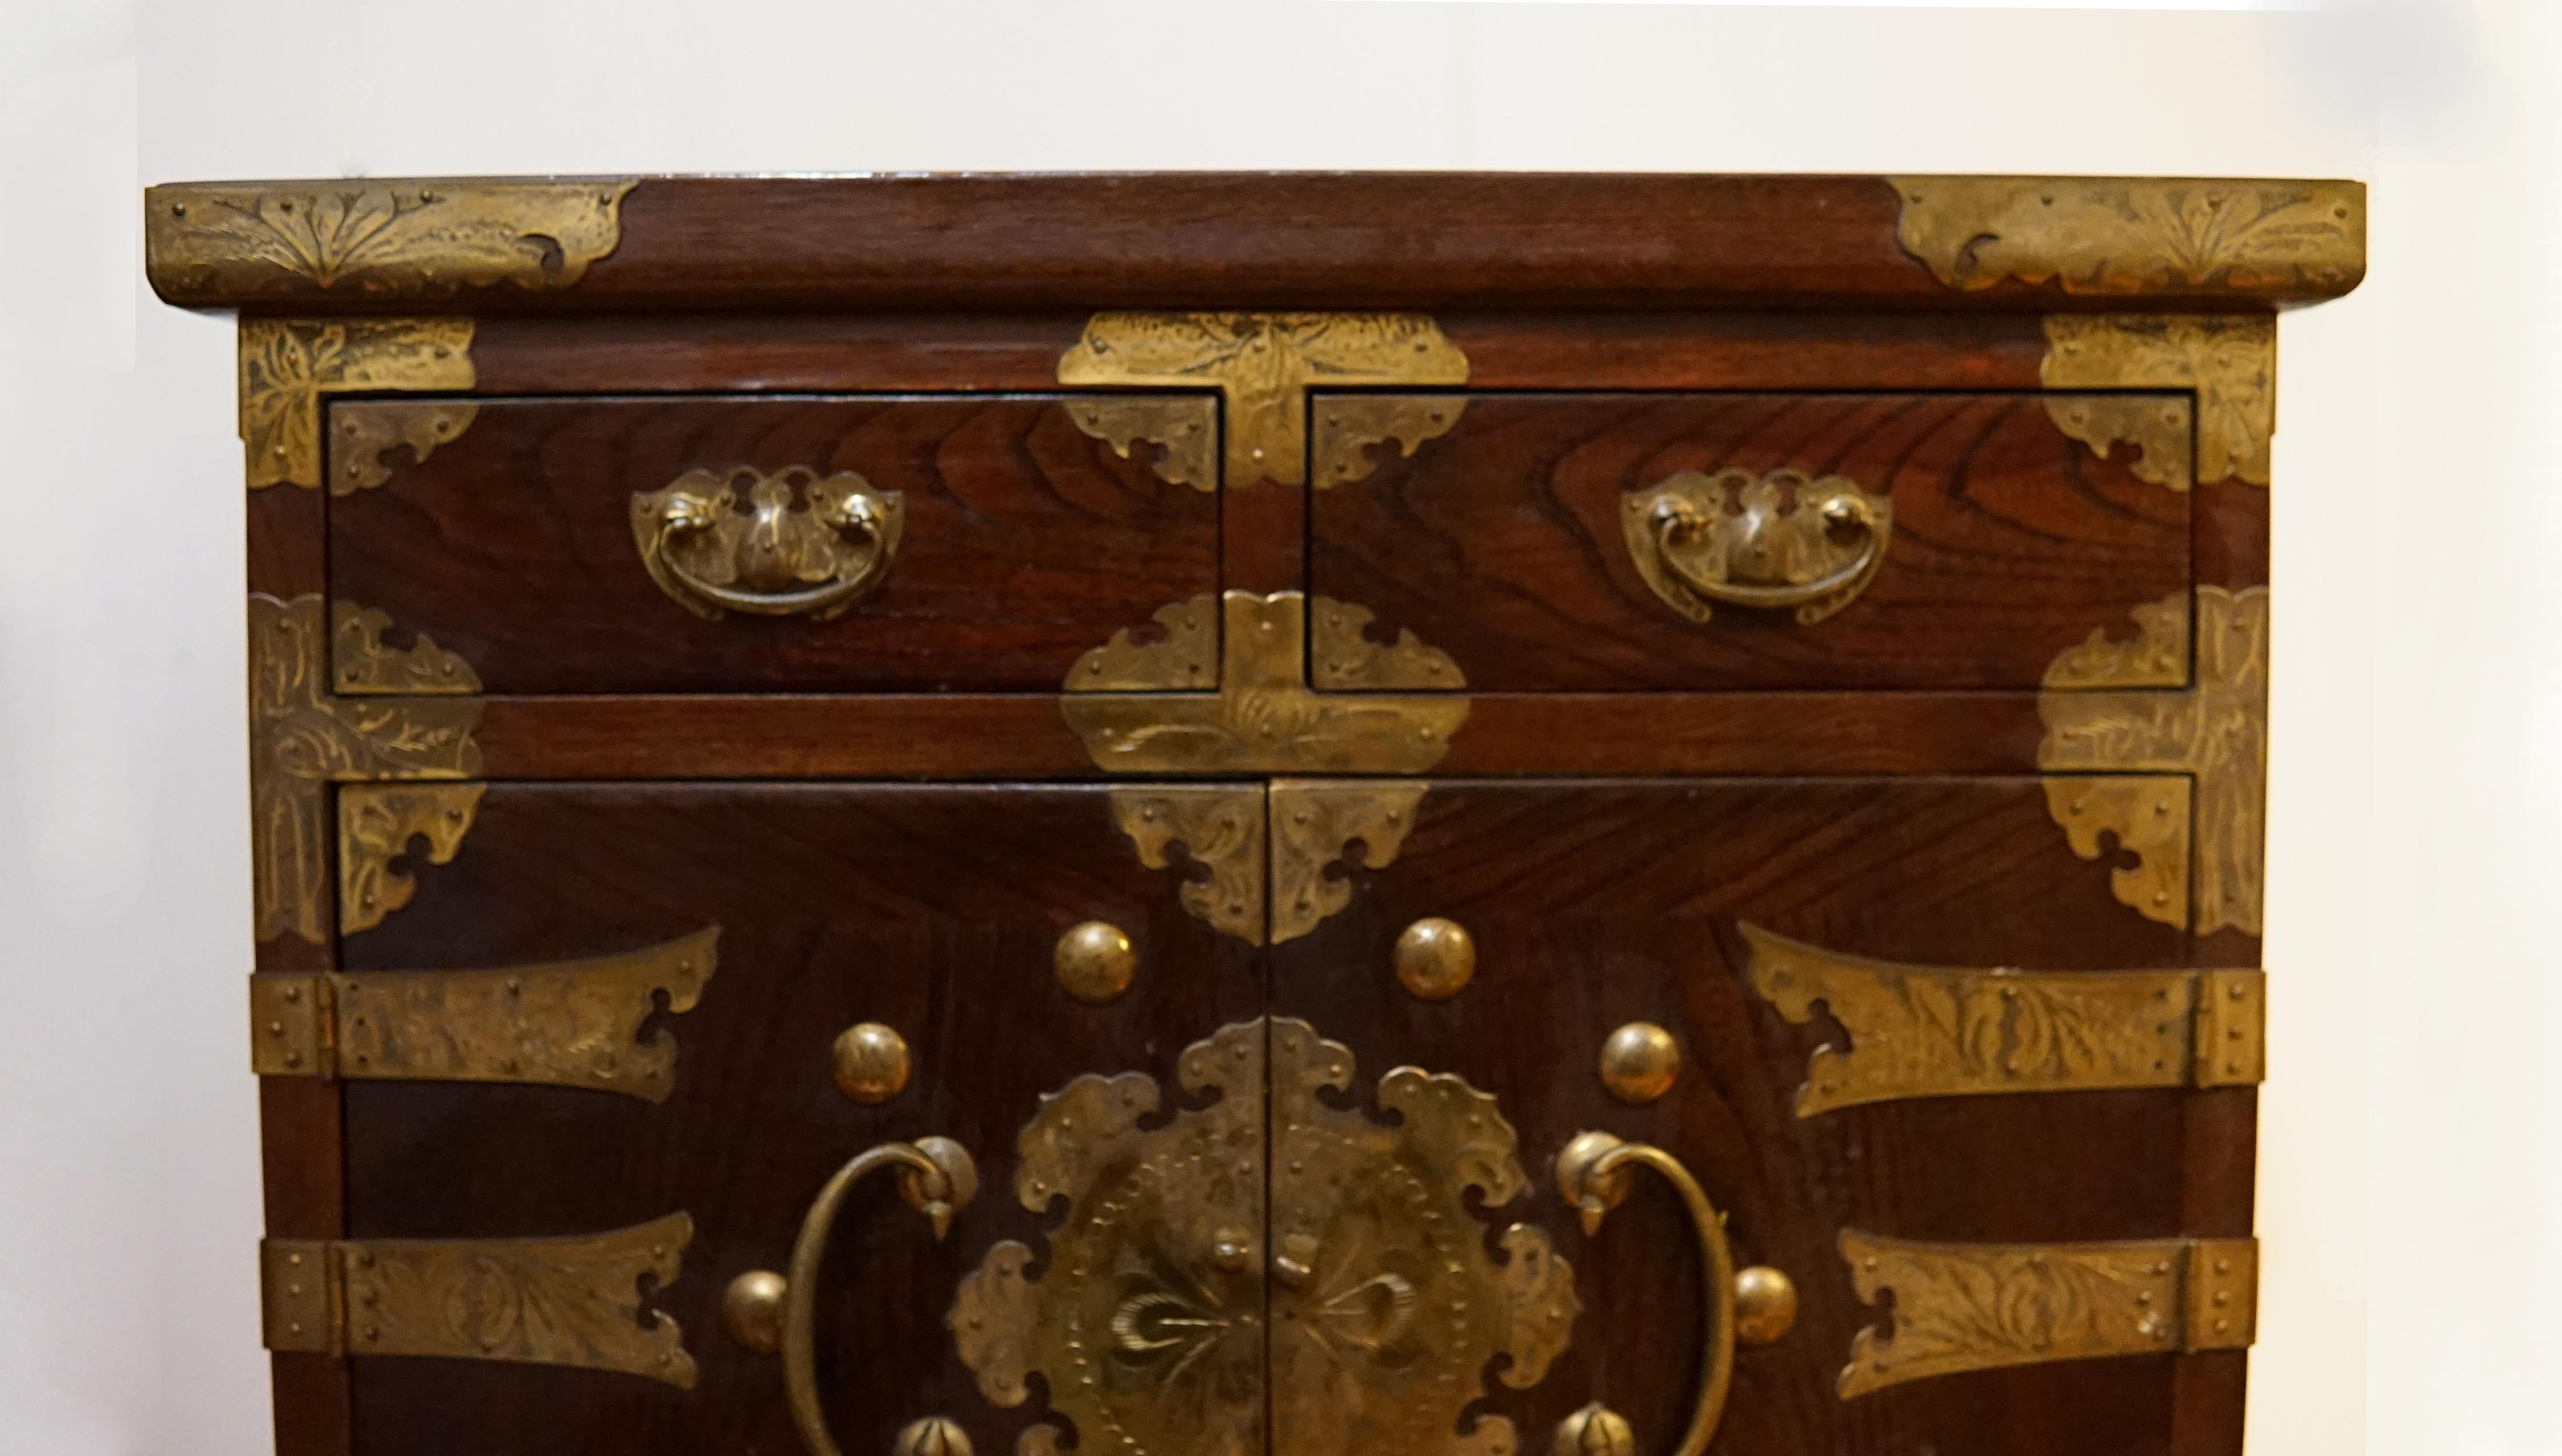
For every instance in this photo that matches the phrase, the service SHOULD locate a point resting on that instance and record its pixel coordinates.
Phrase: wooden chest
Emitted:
(1207, 816)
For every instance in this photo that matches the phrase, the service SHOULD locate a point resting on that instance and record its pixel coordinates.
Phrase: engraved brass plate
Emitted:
(1178, 654)
(2137, 235)
(361, 662)
(1315, 823)
(407, 240)
(526, 1301)
(286, 365)
(1219, 827)
(1975, 1307)
(1264, 364)
(1349, 426)
(1938, 1032)
(1184, 428)
(1369, 1296)
(565, 1023)
(376, 823)
(369, 431)
(1344, 657)
(2230, 363)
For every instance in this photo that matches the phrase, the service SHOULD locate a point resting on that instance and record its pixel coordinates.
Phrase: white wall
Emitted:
(2408, 1304)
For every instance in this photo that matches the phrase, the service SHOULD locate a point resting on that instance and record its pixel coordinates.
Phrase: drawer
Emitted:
(815, 544)
(1605, 542)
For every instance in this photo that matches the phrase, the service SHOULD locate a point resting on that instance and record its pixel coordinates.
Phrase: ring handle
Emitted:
(1593, 1175)
(787, 544)
(780, 1314)
(1779, 540)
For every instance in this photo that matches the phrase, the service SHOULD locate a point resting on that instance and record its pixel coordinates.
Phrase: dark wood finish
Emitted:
(1596, 904)
(1500, 542)
(288, 543)
(1236, 240)
(1027, 543)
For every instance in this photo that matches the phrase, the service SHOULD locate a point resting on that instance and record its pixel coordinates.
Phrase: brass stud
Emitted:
(1435, 959)
(871, 1063)
(752, 1309)
(935, 1435)
(1766, 1305)
(1596, 1430)
(1095, 963)
(1639, 1061)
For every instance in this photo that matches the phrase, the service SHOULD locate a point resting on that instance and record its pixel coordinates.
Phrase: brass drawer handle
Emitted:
(1754, 1308)
(770, 1313)
(1780, 540)
(767, 559)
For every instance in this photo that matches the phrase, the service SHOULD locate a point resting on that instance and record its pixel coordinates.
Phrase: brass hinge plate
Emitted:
(468, 1299)
(566, 1024)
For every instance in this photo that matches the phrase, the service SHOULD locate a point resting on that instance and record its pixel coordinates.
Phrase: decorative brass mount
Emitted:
(287, 365)
(1781, 540)
(2135, 235)
(1983, 1306)
(376, 823)
(1278, 844)
(803, 547)
(298, 241)
(2229, 363)
(566, 1024)
(1936, 1031)
(367, 431)
(528, 1301)
(1184, 428)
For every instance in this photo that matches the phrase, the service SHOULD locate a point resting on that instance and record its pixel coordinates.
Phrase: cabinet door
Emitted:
(936, 912)
(1595, 906)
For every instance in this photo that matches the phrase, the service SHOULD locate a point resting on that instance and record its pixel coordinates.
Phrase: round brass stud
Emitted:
(1596, 1430)
(1766, 1305)
(752, 1308)
(872, 1063)
(1639, 1061)
(932, 1437)
(1095, 963)
(1435, 959)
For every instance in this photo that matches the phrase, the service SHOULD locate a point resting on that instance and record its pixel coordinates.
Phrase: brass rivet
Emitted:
(871, 1063)
(752, 1309)
(1766, 1305)
(1435, 959)
(1095, 963)
(1639, 1061)
(1596, 1430)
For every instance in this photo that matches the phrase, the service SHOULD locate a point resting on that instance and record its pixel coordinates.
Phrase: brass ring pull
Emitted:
(1593, 1175)
(937, 1178)
(1780, 540)
(714, 553)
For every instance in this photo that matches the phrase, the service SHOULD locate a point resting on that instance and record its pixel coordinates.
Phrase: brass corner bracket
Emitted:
(368, 431)
(478, 1299)
(1184, 428)
(1348, 426)
(1315, 823)
(2230, 363)
(2173, 776)
(302, 241)
(1263, 365)
(286, 365)
(376, 823)
(303, 738)
(1220, 826)
(2129, 236)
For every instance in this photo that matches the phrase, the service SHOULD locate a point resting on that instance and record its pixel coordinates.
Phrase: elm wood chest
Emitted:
(1211, 815)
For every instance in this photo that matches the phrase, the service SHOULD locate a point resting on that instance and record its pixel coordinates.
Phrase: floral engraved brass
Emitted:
(1220, 828)
(361, 663)
(376, 823)
(370, 429)
(1264, 364)
(2214, 737)
(2230, 363)
(1344, 657)
(1363, 1292)
(2157, 426)
(1264, 717)
(408, 240)
(2137, 235)
(1184, 428)
(526, 1301)
(1976, 1306)
(786, 544)
(1941, 1032)
(1783, 540)
(302, 738)
(1348, 426)
(563, 1024)
(1181, 655)
(1315, 823)
(286, 365)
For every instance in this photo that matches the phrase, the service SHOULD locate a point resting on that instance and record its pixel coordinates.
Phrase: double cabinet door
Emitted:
(1308, 1117)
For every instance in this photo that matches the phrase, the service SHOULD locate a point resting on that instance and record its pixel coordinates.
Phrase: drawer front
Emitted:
(911, 544)
(1611, 542)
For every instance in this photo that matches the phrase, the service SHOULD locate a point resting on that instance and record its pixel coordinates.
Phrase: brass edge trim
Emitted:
(302, 738)
(565, 1023)
(378, 238)
(1264, 718)
(1184, 428)
(1263, 365)
(1984, 1306)
(2215, 735)
(1349, 426)
(286, 365)
(1315, 823)
(2131, 236)
(2230, 363)
(376, 823)
(1220, 828)
(368, 431)
(1954, 1031)
(469, 1299)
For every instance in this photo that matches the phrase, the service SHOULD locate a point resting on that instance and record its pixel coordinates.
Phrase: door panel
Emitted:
(932, 910)
(1591, 905)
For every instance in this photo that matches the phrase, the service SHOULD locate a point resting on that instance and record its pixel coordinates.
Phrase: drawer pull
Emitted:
(735, 541)
(1780, 540)
(1753, 1308)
